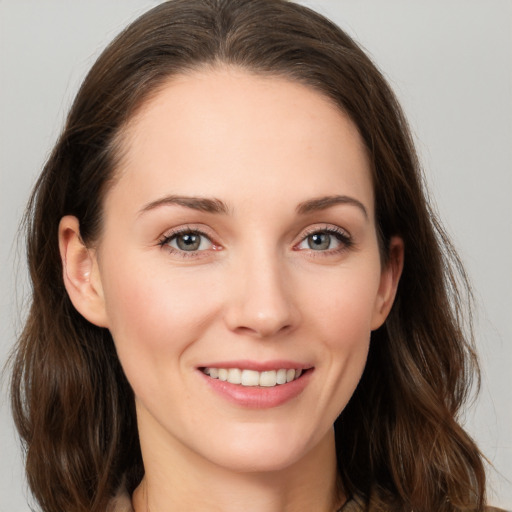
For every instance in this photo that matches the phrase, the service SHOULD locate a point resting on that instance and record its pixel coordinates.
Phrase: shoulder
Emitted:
(357, 504)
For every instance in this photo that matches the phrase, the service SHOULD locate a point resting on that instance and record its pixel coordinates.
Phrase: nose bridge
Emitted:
(261, 299)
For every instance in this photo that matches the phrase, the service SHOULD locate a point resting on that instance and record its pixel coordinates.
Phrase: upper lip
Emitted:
(259, 366)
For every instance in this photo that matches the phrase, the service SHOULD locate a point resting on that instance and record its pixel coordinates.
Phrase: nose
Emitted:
(261, 299)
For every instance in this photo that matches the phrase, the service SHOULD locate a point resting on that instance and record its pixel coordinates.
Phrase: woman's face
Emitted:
(239, 240)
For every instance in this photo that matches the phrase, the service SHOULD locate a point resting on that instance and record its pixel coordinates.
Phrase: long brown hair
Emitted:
(399, 445)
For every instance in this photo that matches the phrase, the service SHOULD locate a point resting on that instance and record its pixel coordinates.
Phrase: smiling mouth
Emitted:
(252, 378)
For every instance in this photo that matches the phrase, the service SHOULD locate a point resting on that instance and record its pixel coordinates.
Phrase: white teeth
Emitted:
(250, 378)
(281, 376)
(266, 379)
(235, 376)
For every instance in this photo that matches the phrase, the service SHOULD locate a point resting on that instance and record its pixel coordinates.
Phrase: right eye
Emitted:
(187, 241)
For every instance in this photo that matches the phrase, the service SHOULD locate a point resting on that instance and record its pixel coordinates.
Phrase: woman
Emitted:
(196, 332)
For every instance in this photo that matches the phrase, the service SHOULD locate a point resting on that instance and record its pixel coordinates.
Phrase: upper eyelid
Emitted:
(330, 228)
(172, 232)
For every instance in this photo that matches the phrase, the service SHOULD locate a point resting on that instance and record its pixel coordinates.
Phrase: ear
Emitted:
(389, 278)
(81, 273)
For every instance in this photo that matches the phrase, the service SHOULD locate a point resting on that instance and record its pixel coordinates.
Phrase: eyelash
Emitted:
(345, 240)
(341, 236)
(168, 238)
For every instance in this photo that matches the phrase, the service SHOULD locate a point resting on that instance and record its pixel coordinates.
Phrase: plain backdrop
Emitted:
(449, 61)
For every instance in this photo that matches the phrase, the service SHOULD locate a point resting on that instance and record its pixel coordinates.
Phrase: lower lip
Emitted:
(255, 397)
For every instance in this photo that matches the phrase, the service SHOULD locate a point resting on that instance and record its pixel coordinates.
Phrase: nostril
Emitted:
(263, 330)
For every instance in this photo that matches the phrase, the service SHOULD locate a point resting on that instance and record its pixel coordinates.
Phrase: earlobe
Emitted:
(81, 273)
(390, 277)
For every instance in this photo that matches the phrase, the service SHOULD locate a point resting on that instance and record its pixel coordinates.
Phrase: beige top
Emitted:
(123, 503)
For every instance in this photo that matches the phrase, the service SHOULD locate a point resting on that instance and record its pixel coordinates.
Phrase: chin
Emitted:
(261, 453)
(256, 462)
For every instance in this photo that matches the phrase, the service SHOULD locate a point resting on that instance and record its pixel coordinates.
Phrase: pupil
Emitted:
(319, 241)
(188, 242)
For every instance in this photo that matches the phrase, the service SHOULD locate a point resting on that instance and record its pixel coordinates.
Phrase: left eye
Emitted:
(322, 241)
(189, 241)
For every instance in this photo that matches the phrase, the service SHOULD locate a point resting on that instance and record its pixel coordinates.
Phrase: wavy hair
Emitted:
(398, 443)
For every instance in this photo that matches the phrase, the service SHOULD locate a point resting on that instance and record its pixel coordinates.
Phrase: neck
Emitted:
(177, 478)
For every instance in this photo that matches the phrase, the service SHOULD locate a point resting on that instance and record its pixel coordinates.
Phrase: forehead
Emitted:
(220, 131)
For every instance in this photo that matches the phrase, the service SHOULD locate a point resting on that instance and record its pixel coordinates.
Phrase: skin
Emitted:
(254, 290)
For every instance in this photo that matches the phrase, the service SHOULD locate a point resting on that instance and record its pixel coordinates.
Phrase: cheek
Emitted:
(342, 316)
(346, 305)
(154, 315)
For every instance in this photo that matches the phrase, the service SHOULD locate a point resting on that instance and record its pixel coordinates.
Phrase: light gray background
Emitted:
(450, 62)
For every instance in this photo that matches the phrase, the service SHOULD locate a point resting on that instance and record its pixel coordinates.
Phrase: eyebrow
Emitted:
(322, 203)
(214, 205)
(204, 204)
